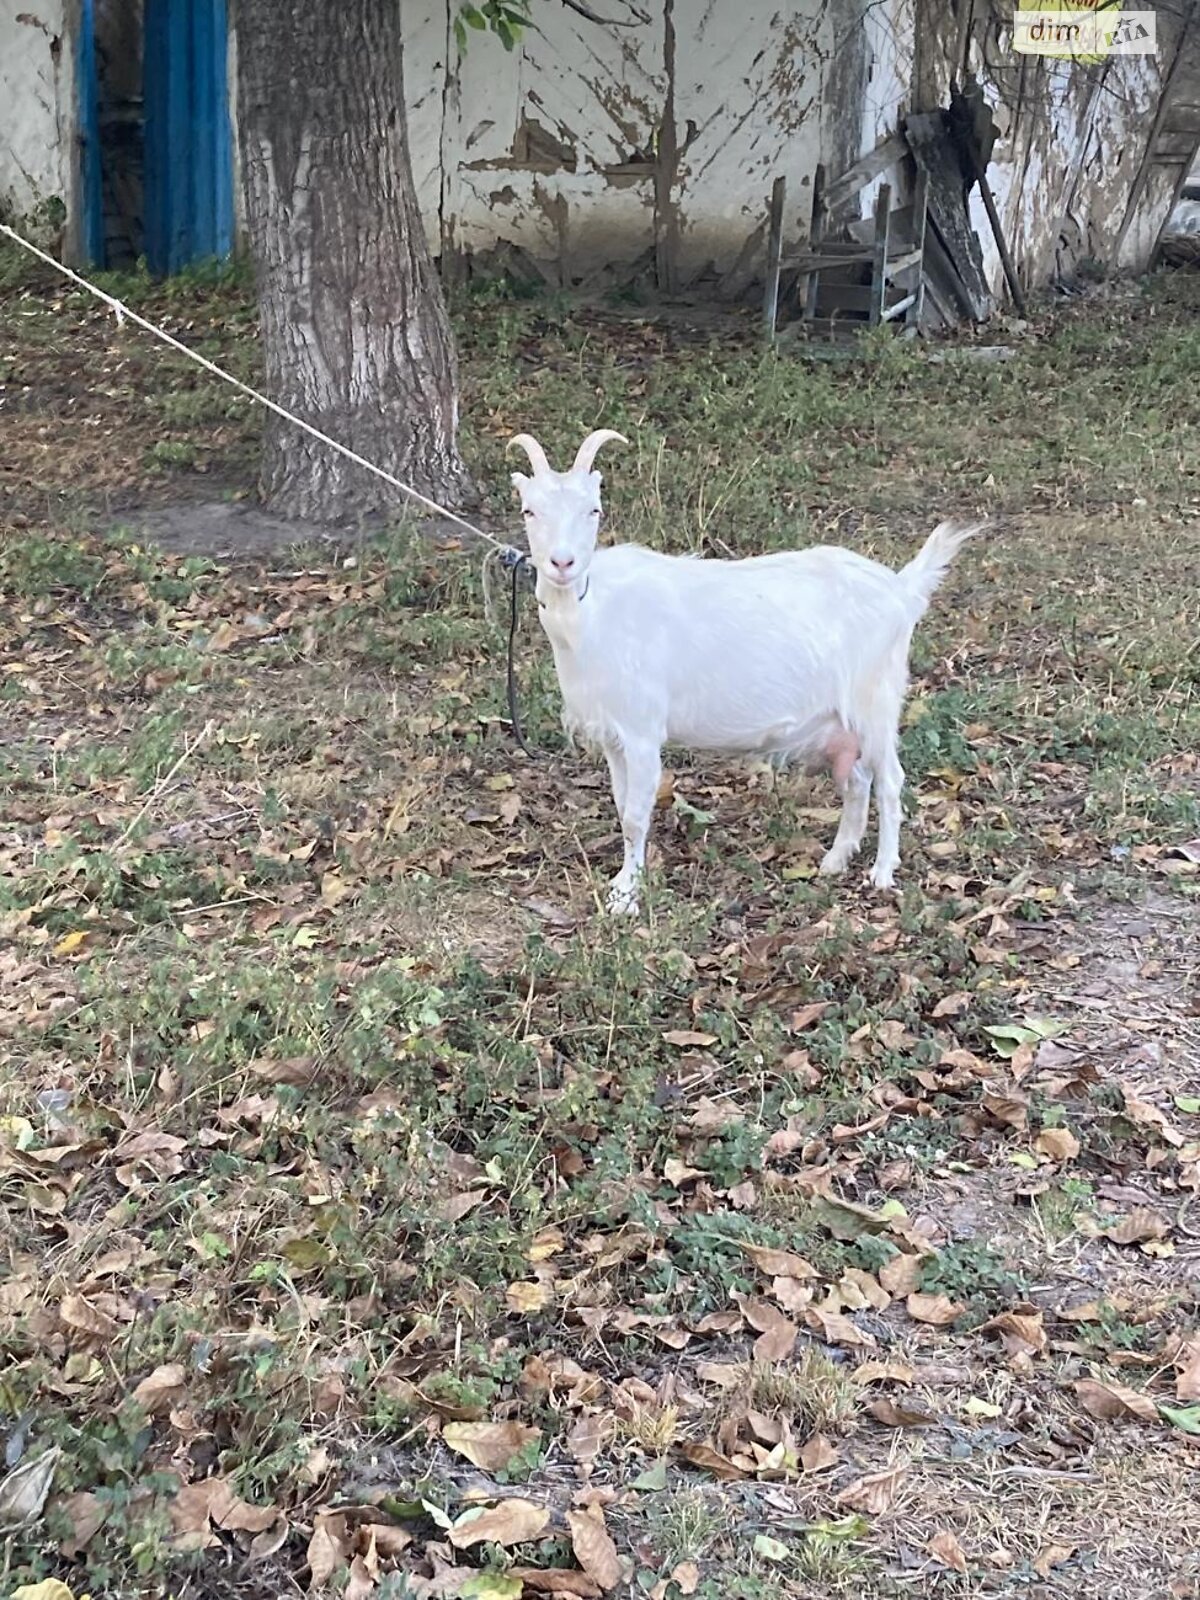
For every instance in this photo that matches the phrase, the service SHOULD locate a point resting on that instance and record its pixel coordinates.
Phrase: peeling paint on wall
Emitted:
(592, 154)
(37, 122)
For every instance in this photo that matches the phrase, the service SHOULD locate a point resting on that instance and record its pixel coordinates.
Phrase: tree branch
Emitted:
(585, 10)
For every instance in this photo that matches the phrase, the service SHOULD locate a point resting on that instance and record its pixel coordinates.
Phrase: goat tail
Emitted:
(929, 566)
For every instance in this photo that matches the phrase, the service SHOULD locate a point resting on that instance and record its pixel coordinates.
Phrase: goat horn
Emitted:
(537, 456)
(587, 450)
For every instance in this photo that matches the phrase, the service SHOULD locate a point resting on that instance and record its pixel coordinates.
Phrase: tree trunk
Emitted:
(355, 334)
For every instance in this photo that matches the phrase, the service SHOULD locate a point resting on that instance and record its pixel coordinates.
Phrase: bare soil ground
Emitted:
(378, 1219)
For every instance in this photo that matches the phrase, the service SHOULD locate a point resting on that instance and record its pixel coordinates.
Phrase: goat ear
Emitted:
(520, 480)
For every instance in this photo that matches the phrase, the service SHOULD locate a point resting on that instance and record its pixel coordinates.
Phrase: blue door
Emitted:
(91, 232)
(188, 146)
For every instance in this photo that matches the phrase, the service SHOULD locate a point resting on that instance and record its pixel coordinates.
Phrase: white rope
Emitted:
(121, 311)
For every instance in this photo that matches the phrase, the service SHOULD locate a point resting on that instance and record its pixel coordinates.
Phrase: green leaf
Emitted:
(474, 18)
(1189, 1103)
(770, 1549)
(1008, 1037)
(506, 34)
(852, 1527)
(306, 1255)
(654, 1477)
(460, 34)
(1185, 1418)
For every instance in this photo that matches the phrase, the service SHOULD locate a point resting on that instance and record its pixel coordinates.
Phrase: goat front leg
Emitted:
(643, 773)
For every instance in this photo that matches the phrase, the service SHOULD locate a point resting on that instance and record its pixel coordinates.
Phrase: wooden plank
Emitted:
(858, 176)
(827, 260)
(933, 148)
(883, 207)
(816, 233)
(774, 255)
(899, 264)
(920, 212)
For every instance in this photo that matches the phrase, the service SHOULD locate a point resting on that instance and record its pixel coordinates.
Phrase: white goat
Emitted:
(801, 656)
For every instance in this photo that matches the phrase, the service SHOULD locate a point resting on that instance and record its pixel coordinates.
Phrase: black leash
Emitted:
(516, 561)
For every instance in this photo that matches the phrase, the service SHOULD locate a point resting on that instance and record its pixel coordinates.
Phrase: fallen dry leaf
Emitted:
(23, 1492)
(818, 1454)
(1051, 1556)
(328, 1549)
(490, 1445)
(1113, 1402)
(944, 1547)
(526, 1297)
(557, 1581)
(77, 1312)
(836, 1328)
(509, 1522)
(893, 1415)
(876, 1492)
(594, 1549)
(1140, 1225)
(85, 1513)
(779, 1263)
(936, 1309)
(1187, 1382)
(791, 1293)
(1010, 1109)
(777, 1333)
(686, 1577)
(1060, 1144)
(686, 1038)
(162, 1390)
(703, 1455)
(901, 1274)
(47, 1589)
(1021, 1332)
(884, 1372)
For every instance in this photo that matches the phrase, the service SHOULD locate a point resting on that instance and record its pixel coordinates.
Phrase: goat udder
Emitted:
(841, 752)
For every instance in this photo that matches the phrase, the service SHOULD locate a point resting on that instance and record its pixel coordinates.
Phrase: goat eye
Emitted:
(527, 513)
(596, 512)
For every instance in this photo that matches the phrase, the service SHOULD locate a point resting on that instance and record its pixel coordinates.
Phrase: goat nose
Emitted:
(562, 563)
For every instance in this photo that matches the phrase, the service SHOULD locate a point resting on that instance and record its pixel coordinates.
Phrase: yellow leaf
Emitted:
(70, 942)
(48, 1589)
(491, 1586)
(17, 1132)
(525, 1298)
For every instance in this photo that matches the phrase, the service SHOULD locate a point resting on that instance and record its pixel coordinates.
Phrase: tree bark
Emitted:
(355, 334)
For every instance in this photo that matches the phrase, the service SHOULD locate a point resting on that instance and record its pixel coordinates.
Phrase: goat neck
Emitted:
(561, 608)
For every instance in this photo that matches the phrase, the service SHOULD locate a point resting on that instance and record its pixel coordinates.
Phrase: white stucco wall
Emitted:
(37, 106)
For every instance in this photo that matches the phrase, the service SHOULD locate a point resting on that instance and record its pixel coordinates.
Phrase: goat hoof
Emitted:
(622, 900)
(834, 863)
(883, 877)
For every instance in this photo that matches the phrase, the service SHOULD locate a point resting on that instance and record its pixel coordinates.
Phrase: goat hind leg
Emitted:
(856, 800)
(889, 786)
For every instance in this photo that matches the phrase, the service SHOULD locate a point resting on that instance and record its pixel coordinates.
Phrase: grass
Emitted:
(331, 1110)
